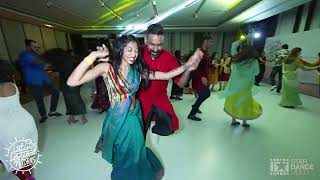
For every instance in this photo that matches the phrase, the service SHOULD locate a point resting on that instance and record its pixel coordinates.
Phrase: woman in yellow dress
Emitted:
(239, 103)
(213, 71)
(290, 84)
(225, 70)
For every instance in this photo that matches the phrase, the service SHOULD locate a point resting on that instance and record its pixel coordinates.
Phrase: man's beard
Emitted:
(155, 54)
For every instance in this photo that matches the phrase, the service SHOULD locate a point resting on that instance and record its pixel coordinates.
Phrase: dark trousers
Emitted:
(176, 90)
(202, 96)
(276, 70)
(37, 94)
(163, 120)
(262, 69)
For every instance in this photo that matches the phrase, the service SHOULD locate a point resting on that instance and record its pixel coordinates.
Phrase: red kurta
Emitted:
(201, 71)
(156, 93)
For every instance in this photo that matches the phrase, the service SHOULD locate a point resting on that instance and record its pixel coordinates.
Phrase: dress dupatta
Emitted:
(121, 91)
(242, 76)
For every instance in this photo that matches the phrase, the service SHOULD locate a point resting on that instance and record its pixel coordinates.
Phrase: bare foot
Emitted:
(72, 120)
(84, 120)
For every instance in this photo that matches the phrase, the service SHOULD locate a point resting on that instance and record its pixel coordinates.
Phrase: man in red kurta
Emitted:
(154, 100)
(200, 81)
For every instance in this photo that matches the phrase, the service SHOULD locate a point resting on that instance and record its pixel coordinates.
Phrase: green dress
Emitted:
(240, 103)
(290, 86)
(122, 142)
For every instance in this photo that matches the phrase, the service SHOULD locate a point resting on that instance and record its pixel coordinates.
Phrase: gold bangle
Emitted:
(88, 60)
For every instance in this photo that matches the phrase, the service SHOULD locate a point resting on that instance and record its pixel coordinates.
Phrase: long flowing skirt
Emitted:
(290, 90)
(242, 105)
(132, 160)
(213, 75)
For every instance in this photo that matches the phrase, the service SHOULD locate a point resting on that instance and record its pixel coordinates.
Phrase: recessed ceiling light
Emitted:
(48, 25)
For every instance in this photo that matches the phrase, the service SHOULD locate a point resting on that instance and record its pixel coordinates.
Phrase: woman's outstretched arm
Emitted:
(81, 74)
(299, 63)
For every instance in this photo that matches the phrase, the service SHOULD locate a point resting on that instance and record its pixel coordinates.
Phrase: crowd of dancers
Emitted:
(131, 87)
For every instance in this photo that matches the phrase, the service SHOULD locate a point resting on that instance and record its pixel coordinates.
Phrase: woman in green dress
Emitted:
(122, 141)
(240, 103)
(290, 84)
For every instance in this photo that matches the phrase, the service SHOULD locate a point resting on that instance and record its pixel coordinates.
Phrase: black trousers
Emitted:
(276, 70)
(176, 90)
(202, 96)
(262, 69)
(163, 126)
(37, 94)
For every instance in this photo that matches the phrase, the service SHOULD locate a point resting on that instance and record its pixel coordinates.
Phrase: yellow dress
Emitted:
(213, 74)
(249, 109)
(240, 103)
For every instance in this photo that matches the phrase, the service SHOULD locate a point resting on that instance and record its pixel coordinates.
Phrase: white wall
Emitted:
(182, 41)
(13, 34)
(315, 24)
(49, 39)
(216, 43)
(286, 22)
(287, 19)
(304, 17)
(61, 38)
(309, 41)
(186, 42)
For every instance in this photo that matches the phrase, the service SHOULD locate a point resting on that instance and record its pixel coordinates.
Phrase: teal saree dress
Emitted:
(122, 142)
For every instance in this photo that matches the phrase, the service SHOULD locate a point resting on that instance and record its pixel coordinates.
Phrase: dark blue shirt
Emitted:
(34, 74)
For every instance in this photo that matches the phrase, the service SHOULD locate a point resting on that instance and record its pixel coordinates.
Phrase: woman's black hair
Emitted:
(293, 55)
(139, 64)
(57, 57)
(246, 52)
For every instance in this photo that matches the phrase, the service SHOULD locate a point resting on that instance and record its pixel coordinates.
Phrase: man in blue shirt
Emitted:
(36, 78)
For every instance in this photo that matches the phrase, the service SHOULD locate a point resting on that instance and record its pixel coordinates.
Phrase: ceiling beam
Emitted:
(35, 17)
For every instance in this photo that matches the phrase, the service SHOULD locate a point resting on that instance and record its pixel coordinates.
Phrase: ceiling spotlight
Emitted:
(101, 3)
(48, 4)
(48, 25)
(242, 37)
(195, 15)
(256, 35)
(154, 2)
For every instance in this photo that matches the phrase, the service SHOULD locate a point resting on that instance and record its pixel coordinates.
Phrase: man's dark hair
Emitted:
(285, 46)
(28, 42)
(156, 29)
(319, 54)
(203, 38)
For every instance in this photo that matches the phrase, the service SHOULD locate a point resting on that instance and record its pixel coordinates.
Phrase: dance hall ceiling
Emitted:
(135, 15)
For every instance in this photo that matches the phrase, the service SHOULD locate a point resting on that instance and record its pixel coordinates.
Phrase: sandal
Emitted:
(235, 123)
(245, 125)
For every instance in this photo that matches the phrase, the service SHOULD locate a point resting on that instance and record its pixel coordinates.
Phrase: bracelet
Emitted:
(185, 67)
(88, 60)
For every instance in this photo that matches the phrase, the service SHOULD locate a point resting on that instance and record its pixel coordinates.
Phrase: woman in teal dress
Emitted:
(240, 103)
(290, 84)
(122, 141)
